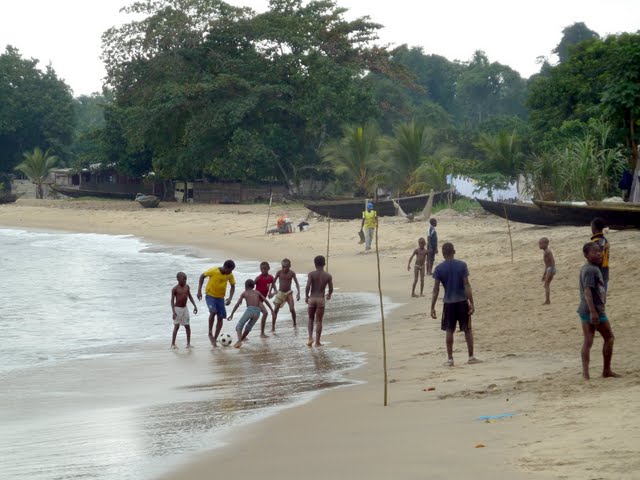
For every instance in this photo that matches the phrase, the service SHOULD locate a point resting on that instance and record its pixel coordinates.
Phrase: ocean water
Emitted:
(90, 389)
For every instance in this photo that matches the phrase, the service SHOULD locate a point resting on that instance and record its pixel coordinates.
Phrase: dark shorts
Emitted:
(453, 313)
(216, 306)
(431, 256)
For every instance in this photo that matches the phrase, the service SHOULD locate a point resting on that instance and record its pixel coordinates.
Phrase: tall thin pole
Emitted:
(384, 336)
(509, 228)
(328, 239)
(268, 213)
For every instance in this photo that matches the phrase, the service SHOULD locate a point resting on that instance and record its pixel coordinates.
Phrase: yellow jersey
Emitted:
(369, 218)
(217, 283)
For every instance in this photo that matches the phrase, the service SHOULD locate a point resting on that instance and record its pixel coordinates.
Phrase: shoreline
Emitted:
(537, 378)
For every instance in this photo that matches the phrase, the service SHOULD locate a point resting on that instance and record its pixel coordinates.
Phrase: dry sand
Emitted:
(563, 427)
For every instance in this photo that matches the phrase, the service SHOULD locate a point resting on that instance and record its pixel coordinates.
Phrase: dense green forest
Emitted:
(199, 89)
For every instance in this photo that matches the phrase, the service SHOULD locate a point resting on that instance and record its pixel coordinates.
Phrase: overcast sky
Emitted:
(67, 32)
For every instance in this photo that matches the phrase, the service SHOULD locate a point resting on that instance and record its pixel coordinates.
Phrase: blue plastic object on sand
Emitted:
(495, 417)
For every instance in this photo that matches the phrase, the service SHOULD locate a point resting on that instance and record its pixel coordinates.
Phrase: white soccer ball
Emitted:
(225, 339)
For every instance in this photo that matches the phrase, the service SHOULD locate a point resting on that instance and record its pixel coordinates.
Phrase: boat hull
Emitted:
(352, 209)
(618, 216)
(521, 212)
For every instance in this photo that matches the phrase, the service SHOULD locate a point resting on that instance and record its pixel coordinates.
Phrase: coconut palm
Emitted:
(355, 157)
(504, 153)
(432, 175)
(37, 166)
(407, 151)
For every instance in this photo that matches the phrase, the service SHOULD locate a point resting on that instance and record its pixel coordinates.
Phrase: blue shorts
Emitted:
(216, 306)
(586, 318)
(248, 320)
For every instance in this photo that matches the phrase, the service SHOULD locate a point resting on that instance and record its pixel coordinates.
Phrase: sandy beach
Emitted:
(559, 425)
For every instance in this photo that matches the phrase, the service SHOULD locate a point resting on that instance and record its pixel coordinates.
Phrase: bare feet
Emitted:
(610, 374)
(473, 360)
(449, 362)
(422, 294)
(189, 345)
(414, 295)
(310, 342)
(318, 344)
(273, 330)
(264, 335)
(585, 375)
(547, 303)
(238, 344)
(173, 347)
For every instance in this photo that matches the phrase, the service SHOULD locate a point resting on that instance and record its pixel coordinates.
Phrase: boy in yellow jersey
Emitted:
(215, 292)
(597, 227)
(369, 224)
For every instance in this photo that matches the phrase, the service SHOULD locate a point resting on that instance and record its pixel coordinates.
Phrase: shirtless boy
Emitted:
(592, 310)
(255, 306)
(179, 296)
(263, 285)
(418, 270)
(284, 293)
(314, 293)
(549, 268)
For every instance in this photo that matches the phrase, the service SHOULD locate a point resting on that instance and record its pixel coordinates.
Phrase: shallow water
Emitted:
(90, 389)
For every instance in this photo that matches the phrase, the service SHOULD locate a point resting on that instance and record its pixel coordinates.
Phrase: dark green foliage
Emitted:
(36, 109)
(571, 36)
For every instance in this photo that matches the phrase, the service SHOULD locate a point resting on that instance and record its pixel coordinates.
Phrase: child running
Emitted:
(432, 245)
(314, 292)
(591, 310)
(215, 292)
(255, 306)
(179, 296)
(263, 285)
(418, 270)
(284, 293)
(549, 268)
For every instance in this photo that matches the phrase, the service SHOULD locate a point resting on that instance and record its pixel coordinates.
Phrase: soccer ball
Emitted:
(225, 339)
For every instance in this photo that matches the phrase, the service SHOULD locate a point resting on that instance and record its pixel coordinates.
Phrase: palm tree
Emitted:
(355, 157)
(37, 166)
(504, 153)
(432, 175)
(407, 151)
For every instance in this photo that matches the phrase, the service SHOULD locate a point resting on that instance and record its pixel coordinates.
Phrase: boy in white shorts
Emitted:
(179, 296)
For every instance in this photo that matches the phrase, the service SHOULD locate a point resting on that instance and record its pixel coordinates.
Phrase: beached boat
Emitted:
(521, 212)
(616, 215)
(352, 209)
(8, 197)
(147, 201)
(76, 192)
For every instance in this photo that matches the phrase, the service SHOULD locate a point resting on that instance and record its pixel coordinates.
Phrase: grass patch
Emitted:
(461, 205)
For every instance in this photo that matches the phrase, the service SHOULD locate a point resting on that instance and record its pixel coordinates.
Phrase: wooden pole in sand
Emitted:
(328, 239)
(269, 212)
(509, 228)
(384, 336)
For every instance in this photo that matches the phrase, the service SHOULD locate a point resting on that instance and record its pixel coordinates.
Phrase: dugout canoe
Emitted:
(352, 209)
(618, 216)
(521, 212)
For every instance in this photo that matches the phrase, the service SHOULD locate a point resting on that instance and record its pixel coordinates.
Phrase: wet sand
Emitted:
(562, 427)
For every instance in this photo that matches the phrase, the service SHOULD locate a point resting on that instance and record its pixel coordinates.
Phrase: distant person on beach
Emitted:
(215, 292)
(432, 245)
(284, 293)
(369, 225)
(314, 292)
(255, 306)
(597, 230)
(418, 269)
(458, 300)
(549, 268)
(263, 285)
(179, 296)
(591, 310)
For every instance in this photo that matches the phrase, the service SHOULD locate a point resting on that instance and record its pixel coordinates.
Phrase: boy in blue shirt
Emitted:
(458, 300)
